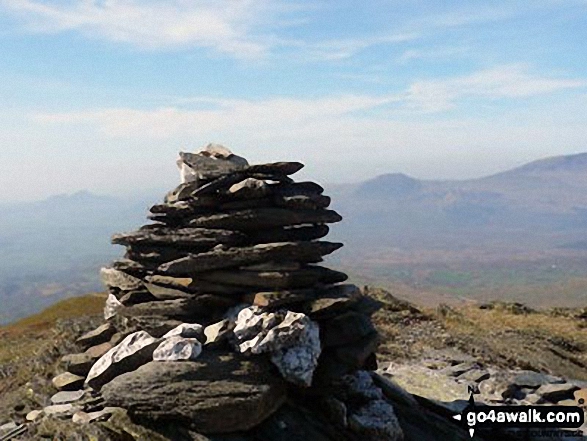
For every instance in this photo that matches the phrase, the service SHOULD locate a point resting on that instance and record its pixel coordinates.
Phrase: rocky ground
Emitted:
(514, 355)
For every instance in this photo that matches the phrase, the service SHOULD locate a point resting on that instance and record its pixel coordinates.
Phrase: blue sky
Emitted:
(101, 94)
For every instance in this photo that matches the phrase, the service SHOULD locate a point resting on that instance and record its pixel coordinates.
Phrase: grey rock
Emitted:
(474, 375)
(459, 369)
(250, 188)
(78, 364)
(296, 233)
(101, 334)
(134, 351)
(117, 279)
(376, 420)
(257, 219)
(312, 202)
(155, 325)
(135, 297)
(188, 285)
(68, 381)
(533, 379)
(218, 333)
(34, 415)
(284, 298)
(335, 410)
(167, 293)
(8, 427)
(276, 168)
(497, 388)
(556, 392)
(177, 348)
(90, 417)
(97, 351)
(181, 309)
(304, 251)
(296, 189)
(220, 393)
(194, 238)
(201, 166)
(347, 328)
(333, 300)
(304, 277)
(358, 386)
(187, 330)
(156, 255)
(67, 397)
(61, 410)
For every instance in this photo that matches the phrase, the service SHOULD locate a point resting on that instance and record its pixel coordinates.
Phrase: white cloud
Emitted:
(228, 26)
(509, 81)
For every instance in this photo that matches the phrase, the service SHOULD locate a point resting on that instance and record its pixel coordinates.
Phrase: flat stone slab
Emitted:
(290, 234)
(179, 308)
(209, 167)
(68, 381)
(276, 299)
(179, 237)
(296, 189)
(101, 334)
(219, 392)
(66, 397)
(217, 259)
(556, 392)
(303, 202)
(304, 277)
(78, 364)
(261, 218)
(61, 410)
(117, 279)
(168, 287)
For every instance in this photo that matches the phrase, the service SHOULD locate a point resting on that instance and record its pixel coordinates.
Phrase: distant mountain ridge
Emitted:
(395, 227)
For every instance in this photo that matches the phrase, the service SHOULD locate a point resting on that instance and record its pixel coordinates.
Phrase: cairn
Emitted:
(219, 310)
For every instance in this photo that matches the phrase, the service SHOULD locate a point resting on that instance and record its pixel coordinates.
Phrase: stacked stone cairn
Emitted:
(220, 312)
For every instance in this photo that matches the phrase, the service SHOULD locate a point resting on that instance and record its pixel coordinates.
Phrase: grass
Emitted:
(69, 308)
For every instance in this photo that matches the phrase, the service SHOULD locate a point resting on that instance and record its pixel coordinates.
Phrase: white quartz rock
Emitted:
(376, 420)
(178, 348)
(131, 353)
(298, 362)
(187, 330)
(111, 307)
(292, 339)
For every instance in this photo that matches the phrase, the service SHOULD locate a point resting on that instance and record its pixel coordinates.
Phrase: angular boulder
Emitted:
(178, 348)
(134, 351)
(218, 393)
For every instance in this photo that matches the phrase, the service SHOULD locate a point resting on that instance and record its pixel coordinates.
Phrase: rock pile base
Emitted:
(220, 310)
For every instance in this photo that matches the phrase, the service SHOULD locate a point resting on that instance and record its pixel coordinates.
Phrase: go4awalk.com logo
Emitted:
(501, 417)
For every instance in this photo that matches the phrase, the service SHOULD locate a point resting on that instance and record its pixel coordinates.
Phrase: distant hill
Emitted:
(519, 234)
(53, 248)
(516, 235)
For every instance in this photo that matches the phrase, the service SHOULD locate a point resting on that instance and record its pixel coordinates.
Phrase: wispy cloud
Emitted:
(278, 115)
(228, 26)
(508, 81)
(293, 117)
(432, 53)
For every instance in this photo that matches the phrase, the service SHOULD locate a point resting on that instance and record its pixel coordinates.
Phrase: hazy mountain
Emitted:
(510, 235)
(526, 226)
(53, 248)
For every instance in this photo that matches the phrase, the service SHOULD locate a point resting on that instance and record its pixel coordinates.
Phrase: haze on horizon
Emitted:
(101, 95)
